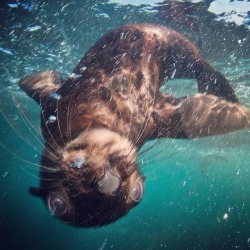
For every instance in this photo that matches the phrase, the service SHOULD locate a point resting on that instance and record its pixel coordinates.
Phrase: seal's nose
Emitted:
(110, 181)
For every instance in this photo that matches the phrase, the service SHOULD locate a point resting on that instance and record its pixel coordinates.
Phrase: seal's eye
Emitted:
(137, 190)
(56, 204)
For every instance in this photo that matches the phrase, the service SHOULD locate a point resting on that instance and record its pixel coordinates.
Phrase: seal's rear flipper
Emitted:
(40, 85)
(211, 81)
(200, 115)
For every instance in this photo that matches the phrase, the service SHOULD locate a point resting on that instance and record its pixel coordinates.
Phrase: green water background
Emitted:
(197, 192)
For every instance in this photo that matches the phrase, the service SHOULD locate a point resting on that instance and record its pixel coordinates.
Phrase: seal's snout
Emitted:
(110, 181)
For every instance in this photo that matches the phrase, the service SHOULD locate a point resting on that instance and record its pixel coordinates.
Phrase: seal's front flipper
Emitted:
(204, 115)
(40, 85)
(200, 115)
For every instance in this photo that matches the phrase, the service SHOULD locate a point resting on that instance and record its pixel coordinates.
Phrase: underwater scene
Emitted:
(196, 191)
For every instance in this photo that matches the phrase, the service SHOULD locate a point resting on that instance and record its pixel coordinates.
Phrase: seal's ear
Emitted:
(37, 192)
(40, 85)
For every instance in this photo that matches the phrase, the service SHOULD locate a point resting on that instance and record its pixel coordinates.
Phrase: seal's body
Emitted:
(94, 122)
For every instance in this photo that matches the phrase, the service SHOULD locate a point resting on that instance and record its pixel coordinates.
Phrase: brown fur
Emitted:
(95, 121)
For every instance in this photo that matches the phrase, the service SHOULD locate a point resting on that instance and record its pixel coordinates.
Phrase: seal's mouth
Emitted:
(110, 181)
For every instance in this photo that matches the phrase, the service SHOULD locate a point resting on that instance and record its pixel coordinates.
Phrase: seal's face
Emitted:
(97, 180)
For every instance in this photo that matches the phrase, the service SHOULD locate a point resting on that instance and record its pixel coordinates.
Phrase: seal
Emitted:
(94, 122)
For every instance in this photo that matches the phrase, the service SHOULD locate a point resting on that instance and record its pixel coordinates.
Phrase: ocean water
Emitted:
(197, 192)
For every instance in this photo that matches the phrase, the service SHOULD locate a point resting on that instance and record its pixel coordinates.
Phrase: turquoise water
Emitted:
(197, 192)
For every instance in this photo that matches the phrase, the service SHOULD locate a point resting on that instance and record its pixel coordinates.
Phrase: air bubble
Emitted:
(5, 174)
(51, 119)
(56, 96)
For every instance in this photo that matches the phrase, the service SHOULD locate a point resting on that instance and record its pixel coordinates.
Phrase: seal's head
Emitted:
(96, 179)
(90, 180)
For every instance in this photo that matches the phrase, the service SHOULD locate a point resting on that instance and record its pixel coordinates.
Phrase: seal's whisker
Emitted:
(30, 127)
(154, 145)
(18, 133)
(159, 141)
(26, 119)
(69, 120)
(134, 150)
(58, 122)
(140, 220)
(172, 132)
(20, 136)
(51, 156)
(130, 126)
(155, 159)
(38, 177)
(56, 182)
(131, 119)
(49, 169)
(51, 136)
(18, 157)
(142, 129)
(142, 153)
(158, 153)
(35, 176)
(145, 123)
